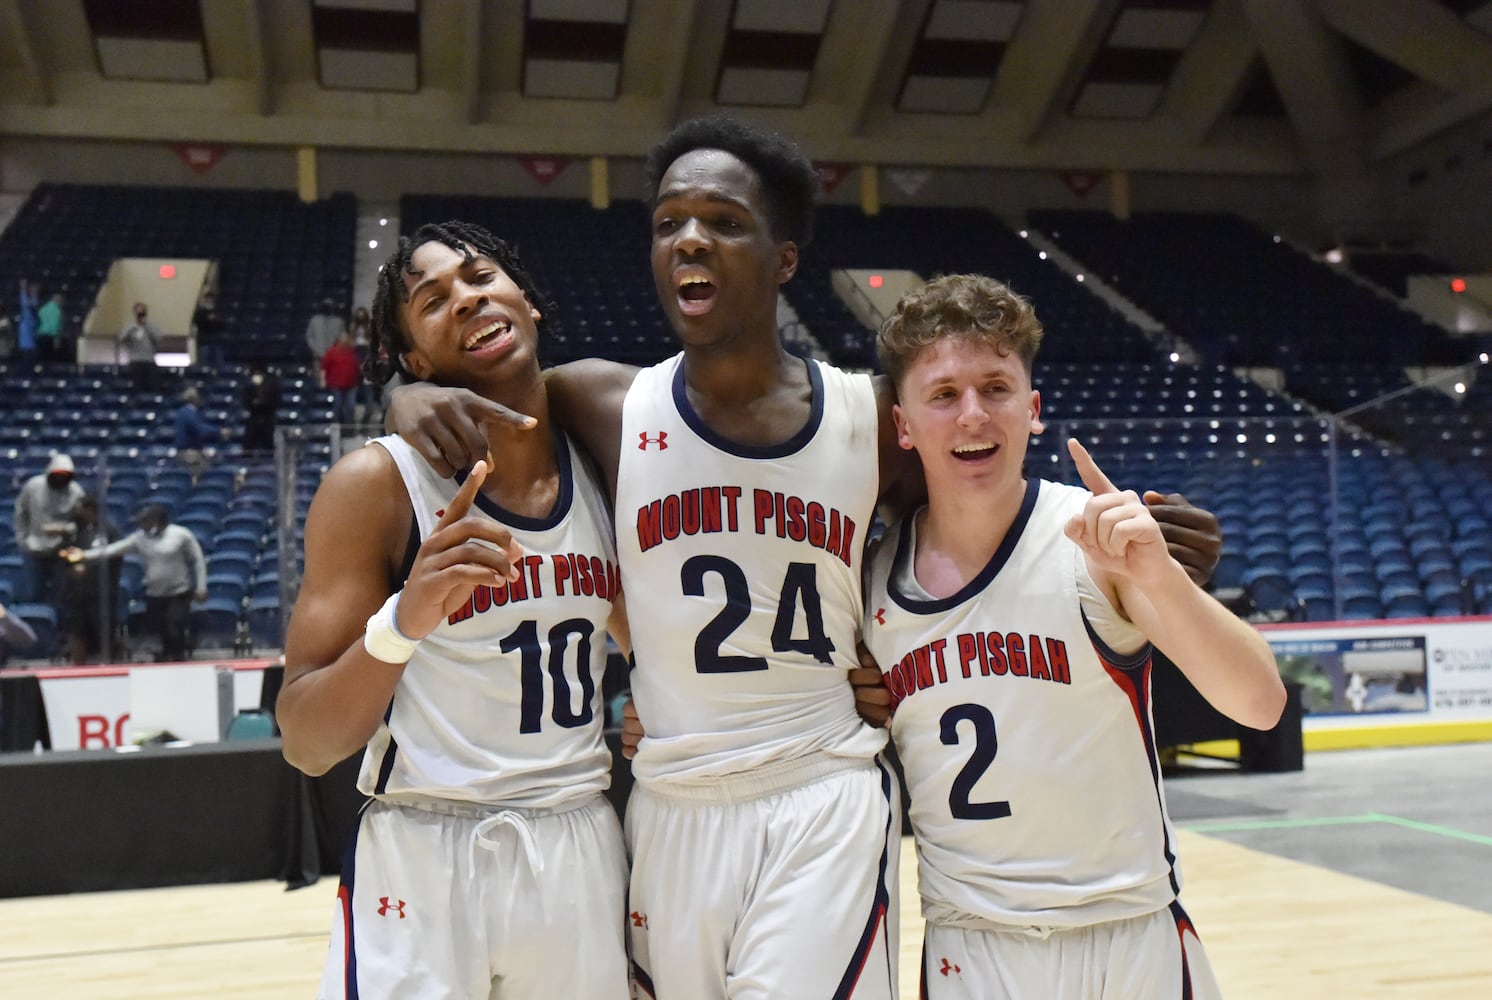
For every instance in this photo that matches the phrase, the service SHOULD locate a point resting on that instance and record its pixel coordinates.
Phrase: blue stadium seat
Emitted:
(215, 622)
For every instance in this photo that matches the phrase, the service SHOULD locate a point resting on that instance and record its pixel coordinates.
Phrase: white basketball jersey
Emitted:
(501, 704)
(1027, 743)
(743, 570)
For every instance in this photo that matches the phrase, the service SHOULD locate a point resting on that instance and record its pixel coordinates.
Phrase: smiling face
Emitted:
(968, 410)
(465, 319)
(716, 264)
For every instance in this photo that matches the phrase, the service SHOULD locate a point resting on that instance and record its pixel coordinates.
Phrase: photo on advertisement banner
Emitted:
(1378, 675)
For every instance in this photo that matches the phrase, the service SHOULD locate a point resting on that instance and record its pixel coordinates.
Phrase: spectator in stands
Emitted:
(26, 322)
(7, 338)
(194, 435)
(368, 394)
(175, 574)
(49, 330)
(136, 349)
(15, 635)
(341, 372)
(209, 326)
(43, 525)
(88, 608)
(261, 400)
(322, 330)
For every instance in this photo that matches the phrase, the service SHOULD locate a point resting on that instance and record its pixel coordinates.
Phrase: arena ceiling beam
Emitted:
(1046, 61)
(30, 83)
(1213, 72)
(1310, 70)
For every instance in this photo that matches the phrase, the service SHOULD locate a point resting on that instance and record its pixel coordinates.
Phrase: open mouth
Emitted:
(496, 331)
(696, 295)
(974, 452)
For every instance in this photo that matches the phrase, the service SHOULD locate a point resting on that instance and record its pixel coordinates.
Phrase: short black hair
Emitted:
(387, 338)
(789, 182)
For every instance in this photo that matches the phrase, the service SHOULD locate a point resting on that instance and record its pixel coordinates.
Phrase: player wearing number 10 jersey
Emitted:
(488, 863)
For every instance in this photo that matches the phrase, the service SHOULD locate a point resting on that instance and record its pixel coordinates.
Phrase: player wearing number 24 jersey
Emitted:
(1012, 619)
(488, 863)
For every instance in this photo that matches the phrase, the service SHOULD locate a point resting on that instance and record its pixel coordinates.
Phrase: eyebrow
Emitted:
(471, 261)
(674, 194)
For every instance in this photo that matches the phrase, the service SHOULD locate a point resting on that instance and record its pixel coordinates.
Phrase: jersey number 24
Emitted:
(799, 586)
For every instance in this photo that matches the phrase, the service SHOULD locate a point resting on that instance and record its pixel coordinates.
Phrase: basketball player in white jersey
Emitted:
(489, 863)
(763, 828)
(1013, 619)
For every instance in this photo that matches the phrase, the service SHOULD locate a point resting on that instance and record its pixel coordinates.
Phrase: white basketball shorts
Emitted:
(788, 895)
(1157, 957)
(457, 901)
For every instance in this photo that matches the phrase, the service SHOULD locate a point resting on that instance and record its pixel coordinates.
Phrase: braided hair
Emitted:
(387, 338)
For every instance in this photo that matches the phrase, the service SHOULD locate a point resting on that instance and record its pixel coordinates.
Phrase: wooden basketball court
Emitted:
(1274, 929)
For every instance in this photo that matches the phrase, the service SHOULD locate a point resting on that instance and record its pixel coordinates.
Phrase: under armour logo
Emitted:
(661, 440)
(441, 512)
(384, 906)
(639, 919)
(880, 616)
(949, 968)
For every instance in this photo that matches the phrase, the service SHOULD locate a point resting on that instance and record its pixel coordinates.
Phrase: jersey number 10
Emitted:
(525, 639)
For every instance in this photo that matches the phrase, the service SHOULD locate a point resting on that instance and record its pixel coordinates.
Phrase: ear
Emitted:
(1036, 425)
(787, 261)
(415, 364)
(903, 433)
(537, 316)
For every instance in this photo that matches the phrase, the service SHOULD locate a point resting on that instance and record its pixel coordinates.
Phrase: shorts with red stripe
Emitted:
(746, 893)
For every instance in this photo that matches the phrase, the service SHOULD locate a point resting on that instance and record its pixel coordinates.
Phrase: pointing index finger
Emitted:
(1091, 474)
(465, 496)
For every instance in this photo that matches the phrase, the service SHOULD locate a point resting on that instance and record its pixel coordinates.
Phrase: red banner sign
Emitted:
(201, 158)
(544, 168)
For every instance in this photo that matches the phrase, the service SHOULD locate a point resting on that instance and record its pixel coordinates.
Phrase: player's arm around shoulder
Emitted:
(1226, 659)
(335, 692)
(585, 398)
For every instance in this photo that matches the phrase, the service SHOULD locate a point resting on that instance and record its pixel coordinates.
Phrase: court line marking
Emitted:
(47, 956)
(1299, 823)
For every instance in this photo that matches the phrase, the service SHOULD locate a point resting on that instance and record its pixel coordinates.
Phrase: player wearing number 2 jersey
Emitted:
(1013, 619)
(488, 864)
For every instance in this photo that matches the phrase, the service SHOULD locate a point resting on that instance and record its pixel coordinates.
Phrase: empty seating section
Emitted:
(932, 241)
(278, 256)
(1389, 514)
(1241, 298)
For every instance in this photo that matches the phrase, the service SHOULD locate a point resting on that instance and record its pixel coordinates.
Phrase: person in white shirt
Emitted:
(175, 574)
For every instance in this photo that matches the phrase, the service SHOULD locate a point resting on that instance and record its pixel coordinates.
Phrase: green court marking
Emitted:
(1296, 824)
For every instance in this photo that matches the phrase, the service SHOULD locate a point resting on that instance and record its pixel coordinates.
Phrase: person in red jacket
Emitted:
(341, 372)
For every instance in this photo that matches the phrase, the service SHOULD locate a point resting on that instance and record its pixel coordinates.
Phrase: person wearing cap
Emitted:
(136, 349)
(44, 524)
(323, 329)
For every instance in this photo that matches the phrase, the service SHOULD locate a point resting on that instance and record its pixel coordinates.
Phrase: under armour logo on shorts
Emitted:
(949, 968)
(384, 906)
(639, 919)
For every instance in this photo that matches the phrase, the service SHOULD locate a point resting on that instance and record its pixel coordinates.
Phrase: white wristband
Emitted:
(382, 638)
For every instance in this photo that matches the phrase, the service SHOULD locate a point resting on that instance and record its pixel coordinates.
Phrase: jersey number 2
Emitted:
(799, 585)
(985, 745)
(525, 639)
